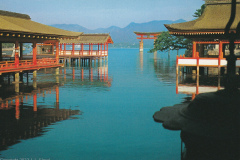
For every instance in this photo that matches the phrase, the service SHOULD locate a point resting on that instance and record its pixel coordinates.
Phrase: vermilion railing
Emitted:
(27, 63)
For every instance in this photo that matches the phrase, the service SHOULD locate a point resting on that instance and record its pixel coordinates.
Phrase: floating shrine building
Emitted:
(85, 46)
(18, 29)
(210, 45)
(48, 45)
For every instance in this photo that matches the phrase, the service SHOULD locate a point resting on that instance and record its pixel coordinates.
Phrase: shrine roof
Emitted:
(11, 22)
(213, 20)
(98, 38)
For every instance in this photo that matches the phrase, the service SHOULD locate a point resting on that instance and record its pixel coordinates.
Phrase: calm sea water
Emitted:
(115, 104)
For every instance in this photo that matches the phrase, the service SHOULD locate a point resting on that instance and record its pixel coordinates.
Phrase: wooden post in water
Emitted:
(17, 82)
(35, 79)
(57, 71)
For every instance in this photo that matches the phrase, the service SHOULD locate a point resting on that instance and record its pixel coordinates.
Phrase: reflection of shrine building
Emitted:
(31, 123)
(194, 85)
(20, 121)
(96, 76)
(165, 70)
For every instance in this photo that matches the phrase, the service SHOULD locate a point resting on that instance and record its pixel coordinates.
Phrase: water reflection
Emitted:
(165, 69)
(89, 75)
(194, 85)
(21, 115)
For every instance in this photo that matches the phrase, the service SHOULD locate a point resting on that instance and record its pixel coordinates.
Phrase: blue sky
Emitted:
(94, 14)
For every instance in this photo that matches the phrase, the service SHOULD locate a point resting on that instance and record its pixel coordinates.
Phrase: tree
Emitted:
(166, 42)
(200, 11)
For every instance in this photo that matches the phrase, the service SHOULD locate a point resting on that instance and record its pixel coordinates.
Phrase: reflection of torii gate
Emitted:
(146, 35)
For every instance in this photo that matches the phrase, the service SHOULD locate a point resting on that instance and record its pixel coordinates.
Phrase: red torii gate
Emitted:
(146, 35)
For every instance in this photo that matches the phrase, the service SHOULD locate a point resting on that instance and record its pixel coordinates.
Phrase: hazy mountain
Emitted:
(123, 37)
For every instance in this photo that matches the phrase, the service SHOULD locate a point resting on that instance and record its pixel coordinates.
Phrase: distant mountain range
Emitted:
(124, 37)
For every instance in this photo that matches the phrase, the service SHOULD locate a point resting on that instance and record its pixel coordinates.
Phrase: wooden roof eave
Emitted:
(26, 26)
(213, 21)
(32, 35)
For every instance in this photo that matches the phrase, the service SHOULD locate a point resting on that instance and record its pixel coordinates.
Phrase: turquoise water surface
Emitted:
(115, 103)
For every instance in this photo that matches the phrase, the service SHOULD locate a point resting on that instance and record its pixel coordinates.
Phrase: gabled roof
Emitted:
(90, 38)
(11, 22)
(213, 21)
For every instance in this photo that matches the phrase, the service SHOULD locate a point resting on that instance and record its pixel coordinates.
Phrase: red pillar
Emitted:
(34, 53)
(220, 50)
(64, 52)
(220, 56)
(57, 52)
(194, 47)
(82, 47)
(16, 61)
(73, 49)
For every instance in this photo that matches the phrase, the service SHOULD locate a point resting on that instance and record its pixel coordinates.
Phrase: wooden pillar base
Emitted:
(57, 71)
